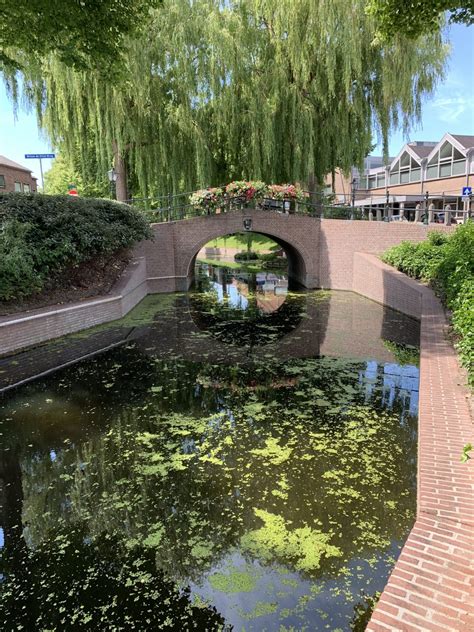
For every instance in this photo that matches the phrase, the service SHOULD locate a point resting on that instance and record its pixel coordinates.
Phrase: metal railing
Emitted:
(176, 207)
(175, 210)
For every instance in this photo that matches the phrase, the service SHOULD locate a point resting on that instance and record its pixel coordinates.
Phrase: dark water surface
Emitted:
(244, 458)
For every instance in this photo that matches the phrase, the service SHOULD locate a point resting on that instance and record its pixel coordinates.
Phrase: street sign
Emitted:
(40, 155)
(466, 191)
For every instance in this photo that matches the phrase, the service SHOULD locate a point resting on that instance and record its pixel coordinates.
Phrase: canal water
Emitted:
(242, 457)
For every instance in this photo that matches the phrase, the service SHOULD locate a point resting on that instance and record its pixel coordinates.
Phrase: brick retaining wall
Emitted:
(340, 240)
(32, 328)
(432, 584)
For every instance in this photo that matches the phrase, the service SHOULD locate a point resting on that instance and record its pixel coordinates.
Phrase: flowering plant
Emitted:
(285, 192)
(249, 190)
(207, 199)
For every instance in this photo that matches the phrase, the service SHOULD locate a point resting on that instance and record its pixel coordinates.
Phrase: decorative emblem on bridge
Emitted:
(247, 223)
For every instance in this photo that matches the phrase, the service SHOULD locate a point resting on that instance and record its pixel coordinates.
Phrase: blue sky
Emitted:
(450, 109)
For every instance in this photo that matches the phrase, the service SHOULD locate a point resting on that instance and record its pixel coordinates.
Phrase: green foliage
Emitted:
(65, 172)
(275, 91)
(465, 456)
(448, 264)
(463, 323)
(43, 234)
(414, 17)
(417, 260)
(17, 274)
(403, 354)
(246, 256)
(86, 34)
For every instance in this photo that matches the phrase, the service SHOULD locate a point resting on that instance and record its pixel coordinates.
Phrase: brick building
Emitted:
(424, 174)
(15, 177)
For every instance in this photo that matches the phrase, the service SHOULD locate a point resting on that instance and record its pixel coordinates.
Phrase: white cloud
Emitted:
(449, 109)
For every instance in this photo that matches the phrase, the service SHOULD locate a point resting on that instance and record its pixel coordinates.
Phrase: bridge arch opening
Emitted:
(296, 266)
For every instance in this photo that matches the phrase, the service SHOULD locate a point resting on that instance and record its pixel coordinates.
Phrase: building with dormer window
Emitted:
(424, 173)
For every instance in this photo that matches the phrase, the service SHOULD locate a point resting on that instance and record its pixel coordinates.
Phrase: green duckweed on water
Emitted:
(263, 489)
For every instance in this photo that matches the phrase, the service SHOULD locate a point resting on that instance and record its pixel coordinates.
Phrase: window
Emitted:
(404, 177)
(459, 167)
(445, 170)
(18, 187)
(404, 160)
(446, 152)
(380, 180)
(2, 182)
(26, 188)
(448, 161)
(372, 182)
(405, 170)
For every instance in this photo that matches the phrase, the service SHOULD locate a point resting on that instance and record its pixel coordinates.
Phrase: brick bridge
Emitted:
(320, 252)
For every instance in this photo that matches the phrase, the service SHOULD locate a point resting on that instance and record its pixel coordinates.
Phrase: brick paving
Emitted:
(432, 584)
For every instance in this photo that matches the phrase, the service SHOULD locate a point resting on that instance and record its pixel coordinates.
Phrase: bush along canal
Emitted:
(245, 459)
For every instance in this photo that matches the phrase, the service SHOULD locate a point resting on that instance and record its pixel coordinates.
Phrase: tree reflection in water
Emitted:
(278, 492)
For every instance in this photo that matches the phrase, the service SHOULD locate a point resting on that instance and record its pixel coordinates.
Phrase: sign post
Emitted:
(40, 157)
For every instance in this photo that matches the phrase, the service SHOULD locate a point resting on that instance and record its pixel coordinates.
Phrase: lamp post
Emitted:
(112, 176)
(353, 195)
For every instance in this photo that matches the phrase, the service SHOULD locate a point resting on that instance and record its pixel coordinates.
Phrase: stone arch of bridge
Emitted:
(298, 258)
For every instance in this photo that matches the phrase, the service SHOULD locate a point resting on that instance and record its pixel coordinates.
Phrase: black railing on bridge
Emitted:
(175, 208)
(172, 208)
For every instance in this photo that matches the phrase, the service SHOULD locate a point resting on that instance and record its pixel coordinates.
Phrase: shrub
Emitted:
(457, 264)
(43, 234)
(463, 323)
(18, 277)
(447, 262)
(246, 256)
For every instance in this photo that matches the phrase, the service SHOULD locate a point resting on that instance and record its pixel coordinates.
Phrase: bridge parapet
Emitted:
(320, 251)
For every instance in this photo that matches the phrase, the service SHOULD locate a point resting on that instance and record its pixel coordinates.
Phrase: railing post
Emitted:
(170, 199)
(447, 215)
(431, 210)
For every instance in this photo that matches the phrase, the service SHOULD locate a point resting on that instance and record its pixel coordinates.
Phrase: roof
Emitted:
(466, 141)
(421, 150)
(6, 162)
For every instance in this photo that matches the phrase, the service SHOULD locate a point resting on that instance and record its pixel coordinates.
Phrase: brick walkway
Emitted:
(432, 584)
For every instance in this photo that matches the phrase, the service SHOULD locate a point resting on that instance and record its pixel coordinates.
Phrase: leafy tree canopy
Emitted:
(255, 89)
(415, 17)
(83, 33)
(65, 172)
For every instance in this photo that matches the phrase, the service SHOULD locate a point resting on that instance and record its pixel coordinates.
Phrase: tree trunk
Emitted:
(121, 171)
(315, 199)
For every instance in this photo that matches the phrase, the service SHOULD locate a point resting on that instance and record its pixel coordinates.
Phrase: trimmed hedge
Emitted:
(246, 256)
(41, 235)
(448, 264)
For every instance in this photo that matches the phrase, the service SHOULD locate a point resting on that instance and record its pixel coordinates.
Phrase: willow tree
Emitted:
(269, 89)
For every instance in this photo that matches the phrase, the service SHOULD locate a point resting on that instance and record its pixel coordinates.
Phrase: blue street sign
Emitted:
(466, 191)
(40, 155)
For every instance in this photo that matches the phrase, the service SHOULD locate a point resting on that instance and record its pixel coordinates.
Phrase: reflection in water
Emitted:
(179, 480)
(254, 292)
